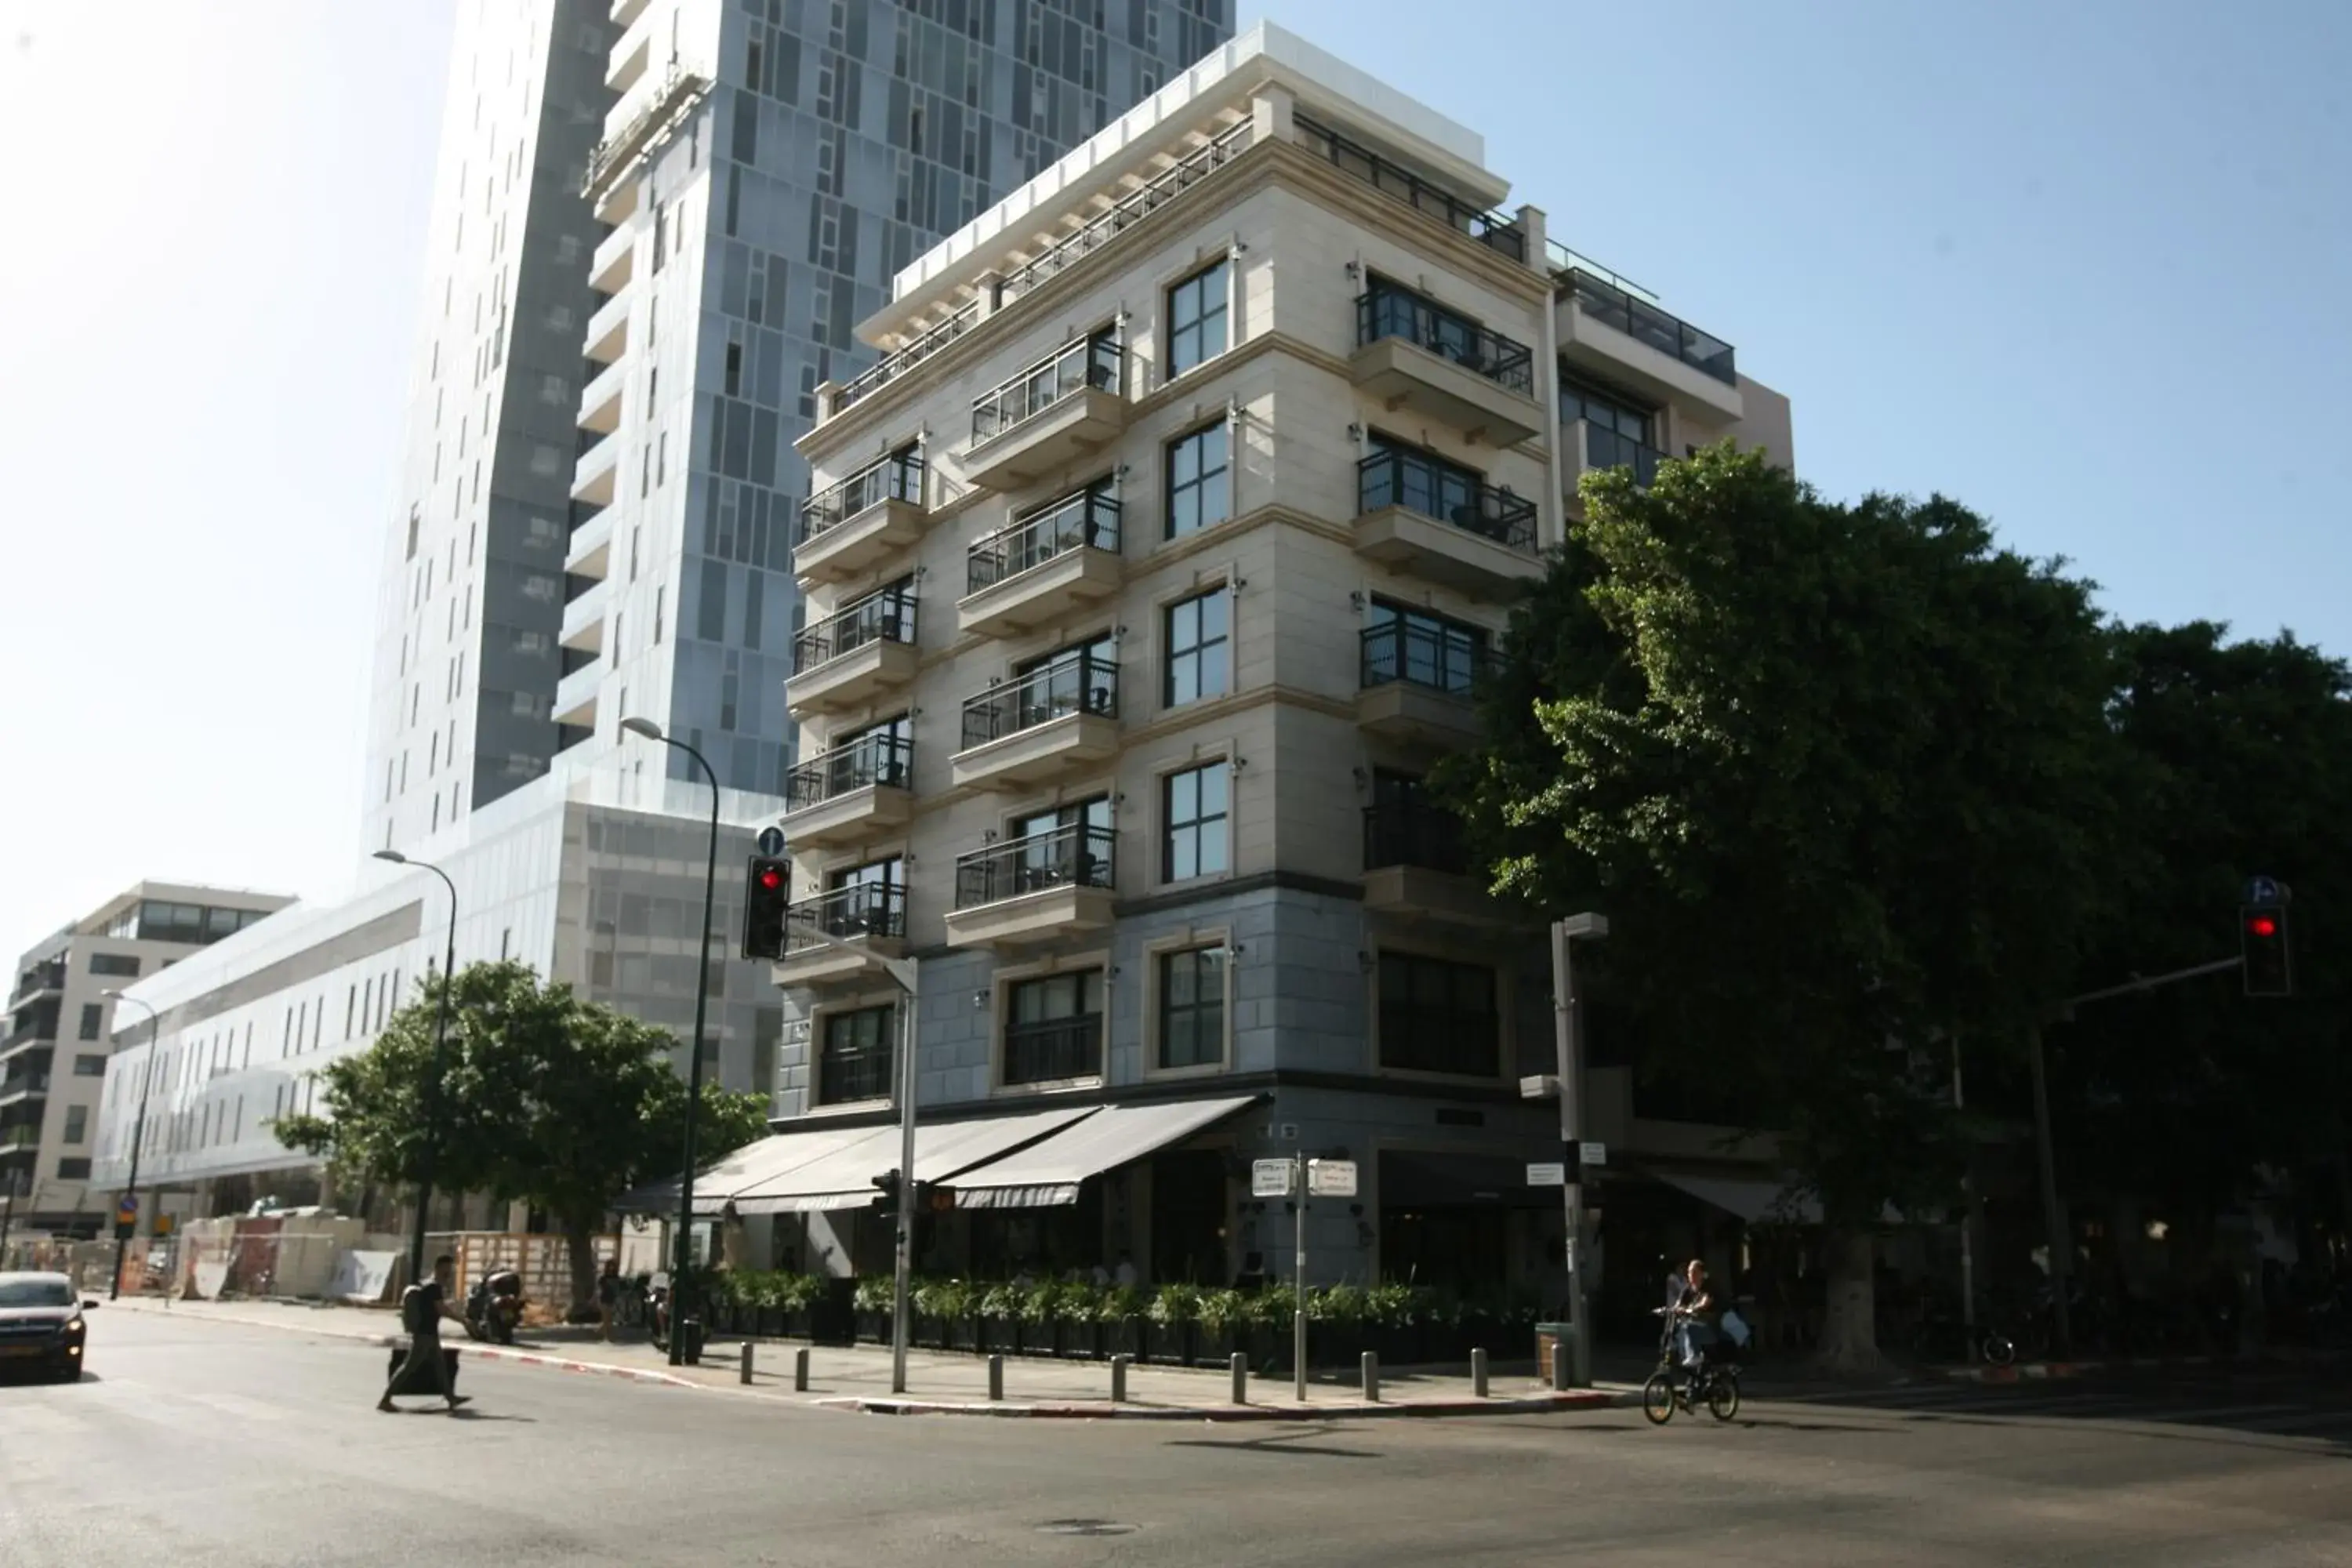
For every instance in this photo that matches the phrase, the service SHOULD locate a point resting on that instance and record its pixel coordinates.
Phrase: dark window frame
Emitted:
(1178, 490)
(1196, 654)
(1058, 1040)
(1205, 1010)
(1410, 1018)
(1198, 825)
(847, 1068)
(1191, 315)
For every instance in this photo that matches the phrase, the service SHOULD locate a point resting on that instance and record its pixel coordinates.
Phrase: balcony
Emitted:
(850, 793)
(1590, 447)
(589, 552)
(1415, 864)
(599, 400)
(627, 11)
(1055, 722)
(1043, 569)
(1416, 683)
(1498, 232)
(37, 980)
(608, 331)
(1058, 1050)
(1413, 354)
(855, 525)
(1052, 414)
(1034, 888)
(855, 657)
(615, 262)
(18, 1089)
(575, 694)
(630, 55)
(1608, 328)
(582, 626)
(1444, 523)
(593, 473)
(644, 115)
(871, 915)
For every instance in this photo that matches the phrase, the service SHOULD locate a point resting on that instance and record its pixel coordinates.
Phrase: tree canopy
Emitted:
(545, 1098)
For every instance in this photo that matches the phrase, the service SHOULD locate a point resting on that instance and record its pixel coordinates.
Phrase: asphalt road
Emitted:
(199, 1444)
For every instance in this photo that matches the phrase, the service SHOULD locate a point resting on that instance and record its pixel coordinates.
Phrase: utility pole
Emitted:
(1570, 1049)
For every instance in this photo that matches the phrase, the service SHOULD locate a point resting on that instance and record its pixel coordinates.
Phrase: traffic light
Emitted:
(2262, 936)
(767, 888)
(885, 1194)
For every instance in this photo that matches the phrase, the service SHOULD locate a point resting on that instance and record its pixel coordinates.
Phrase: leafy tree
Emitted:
(1839, 775)
(545, 1098)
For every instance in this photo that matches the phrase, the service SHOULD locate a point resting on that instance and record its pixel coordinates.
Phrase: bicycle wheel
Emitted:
(1658, 1399)
(1998, 1349)
(1723, 1396)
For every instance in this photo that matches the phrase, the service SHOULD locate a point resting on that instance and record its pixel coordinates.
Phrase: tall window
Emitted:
(1196, 319)
(1053, 1029)
(1198, 493)
(868, 900)
(1195, 805)
(855, 1061)
(1068, 846)
(1193, 1007)
(77, 1123)
(91, 1012)
(1437, 1015)
(1199, 631)
(89, 1066)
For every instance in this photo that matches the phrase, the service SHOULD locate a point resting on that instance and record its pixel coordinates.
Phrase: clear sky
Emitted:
(2086, 266)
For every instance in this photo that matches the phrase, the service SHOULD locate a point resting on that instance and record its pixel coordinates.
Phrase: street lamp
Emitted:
(433, 1084)
(652, 732)
(1568, 1036)
(138, 1136)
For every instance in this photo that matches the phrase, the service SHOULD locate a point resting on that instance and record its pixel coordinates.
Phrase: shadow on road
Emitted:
(1292, 1442)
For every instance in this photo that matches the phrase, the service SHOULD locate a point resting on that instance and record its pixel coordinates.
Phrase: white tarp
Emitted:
(1049, 1173)
(1776, 1203)
(844, 1177)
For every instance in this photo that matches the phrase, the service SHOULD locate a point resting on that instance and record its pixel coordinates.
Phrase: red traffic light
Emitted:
(2262, 925)
(771, 878)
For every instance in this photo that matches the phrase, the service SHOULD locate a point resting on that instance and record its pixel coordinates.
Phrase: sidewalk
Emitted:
(858, 1378)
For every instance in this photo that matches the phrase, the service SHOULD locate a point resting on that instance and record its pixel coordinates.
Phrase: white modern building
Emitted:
(59, 1021)
(655, 222)
(1148, 572)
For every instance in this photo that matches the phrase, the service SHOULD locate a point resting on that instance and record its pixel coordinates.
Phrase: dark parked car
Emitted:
(41, 1325)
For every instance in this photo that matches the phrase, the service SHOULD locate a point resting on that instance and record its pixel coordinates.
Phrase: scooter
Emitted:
(494, 1306)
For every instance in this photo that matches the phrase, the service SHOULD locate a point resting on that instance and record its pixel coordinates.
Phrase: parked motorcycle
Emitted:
(494, 1306)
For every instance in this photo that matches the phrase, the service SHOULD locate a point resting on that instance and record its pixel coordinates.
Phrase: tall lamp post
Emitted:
(1569, 1044)
(440, 1058)
(138, 1137)
(652, 732)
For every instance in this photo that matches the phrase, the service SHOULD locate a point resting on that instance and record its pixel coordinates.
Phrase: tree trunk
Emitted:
(1849, 1326)
(579, 1241)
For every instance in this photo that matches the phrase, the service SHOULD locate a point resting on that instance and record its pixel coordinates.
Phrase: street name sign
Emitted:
(1331, 1178)
(1270, 1178)
(1548, 1173)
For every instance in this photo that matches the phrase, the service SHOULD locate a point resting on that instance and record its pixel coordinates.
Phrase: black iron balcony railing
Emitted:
(1613, 306)
(1606, 448)
(1075, 855)
(1418, 835)
(1389, 313)
(859, 910)
(1401, 476)
(1087, 520)
(914, 351)
(898, 477)
(854, 1073)
(886, 616)
(881, 758)
(1055, 1051)
(1078, 682)
(1131, 209)
(1443, 659)
(1096, 361)
(1493, 230)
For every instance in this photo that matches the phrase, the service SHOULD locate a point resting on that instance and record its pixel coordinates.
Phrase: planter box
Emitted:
(873, 1328)
(928, 1332)
(1125, 1336)
(1170, 1343)
(963, 1334)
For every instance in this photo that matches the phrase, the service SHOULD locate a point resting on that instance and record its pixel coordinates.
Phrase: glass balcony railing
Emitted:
(898, 477)
(1079, 682)
(881, 759)
(1075, 855)
(1644, 323)
(1606, 448)
(1417, 835)
(1400, 477)
(1439, 659)
(1387, 312)
(859, 910)
(1087, 520)
(886, 616)
(1096, 361)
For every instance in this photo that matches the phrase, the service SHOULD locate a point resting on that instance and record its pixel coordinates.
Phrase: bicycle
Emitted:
(1715, 1382)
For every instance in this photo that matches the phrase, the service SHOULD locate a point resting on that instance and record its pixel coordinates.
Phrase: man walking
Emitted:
(425, 1370)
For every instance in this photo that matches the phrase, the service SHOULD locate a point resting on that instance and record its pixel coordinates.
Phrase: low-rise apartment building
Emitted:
(1148, 574)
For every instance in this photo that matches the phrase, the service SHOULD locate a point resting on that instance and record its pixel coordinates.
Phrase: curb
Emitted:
(1088, 1411)
(2041, 1371)
(593, 1368)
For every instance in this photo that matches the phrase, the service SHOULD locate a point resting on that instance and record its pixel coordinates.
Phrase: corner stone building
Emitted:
(1146, 576)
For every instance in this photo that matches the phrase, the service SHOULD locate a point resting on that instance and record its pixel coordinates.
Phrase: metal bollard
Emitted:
(1563, 1365)
(800, 1370)
(1241, 1378)
(995, 1379)
(1478, 1375)
(1371, 1377)
(745, 1372)
(1119, 1379)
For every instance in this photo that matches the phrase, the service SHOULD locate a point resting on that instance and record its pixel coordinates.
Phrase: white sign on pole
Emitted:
(1331, 1178)
(1539, 1085)
(1549, 1173)
(1270, 1178)
(1591, 1154)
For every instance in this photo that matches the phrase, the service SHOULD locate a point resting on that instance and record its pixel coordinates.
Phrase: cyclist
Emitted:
(1694, 1304)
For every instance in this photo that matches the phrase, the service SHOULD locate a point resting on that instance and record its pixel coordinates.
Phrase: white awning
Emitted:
(843, 1177)
(1775, 1203)
(1049, 1173)
(754, 1163)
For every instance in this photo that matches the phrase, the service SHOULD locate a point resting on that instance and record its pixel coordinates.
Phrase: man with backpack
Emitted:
(427, 1368)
